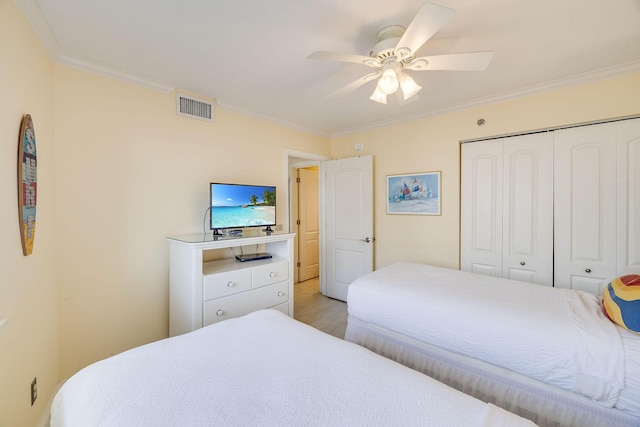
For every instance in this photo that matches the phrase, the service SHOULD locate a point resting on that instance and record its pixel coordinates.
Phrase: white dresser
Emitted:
(203, 292)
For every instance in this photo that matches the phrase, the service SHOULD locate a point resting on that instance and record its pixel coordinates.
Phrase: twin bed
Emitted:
(263, 369)
(547, 354)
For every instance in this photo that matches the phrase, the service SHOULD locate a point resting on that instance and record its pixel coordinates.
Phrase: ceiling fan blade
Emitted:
(475, 61)
(346, 57)
(429, 19)
(353, 85)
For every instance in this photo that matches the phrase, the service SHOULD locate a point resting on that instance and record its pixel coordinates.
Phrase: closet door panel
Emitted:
(528, 208)
(628, 137)
(585, 207)
(481, 201)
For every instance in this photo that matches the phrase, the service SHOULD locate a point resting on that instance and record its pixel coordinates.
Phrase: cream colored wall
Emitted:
(129, 173)
(28, 295)
(432, 144)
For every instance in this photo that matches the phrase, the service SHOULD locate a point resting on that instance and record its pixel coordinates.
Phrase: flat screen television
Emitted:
(239, 206)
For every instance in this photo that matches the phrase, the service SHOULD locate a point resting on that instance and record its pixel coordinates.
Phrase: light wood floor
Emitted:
(311, 307)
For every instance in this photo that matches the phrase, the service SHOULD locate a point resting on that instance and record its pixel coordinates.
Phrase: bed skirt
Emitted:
(543, 404)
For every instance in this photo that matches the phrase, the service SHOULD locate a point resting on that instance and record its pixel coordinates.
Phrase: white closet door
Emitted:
(527, 214)
(585, 207)
(628, 137)
(507, 208)
(481, 213)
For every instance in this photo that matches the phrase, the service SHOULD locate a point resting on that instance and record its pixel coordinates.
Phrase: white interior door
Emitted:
(348, 223)
(308, 236)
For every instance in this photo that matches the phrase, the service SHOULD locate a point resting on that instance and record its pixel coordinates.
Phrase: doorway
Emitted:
(311, 305)
(345, 195)
(308, 235)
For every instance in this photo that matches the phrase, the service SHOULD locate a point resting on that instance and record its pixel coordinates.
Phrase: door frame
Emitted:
(298, 159)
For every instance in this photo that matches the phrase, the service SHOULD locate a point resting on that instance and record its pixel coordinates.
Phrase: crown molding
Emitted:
(110, 72)
(270, 119)
(41, 27)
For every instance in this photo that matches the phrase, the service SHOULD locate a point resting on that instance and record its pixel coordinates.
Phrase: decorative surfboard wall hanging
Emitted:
(27, 183)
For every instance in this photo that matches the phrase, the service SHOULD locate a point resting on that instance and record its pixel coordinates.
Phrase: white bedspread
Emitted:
(557, 336)
(262, 369)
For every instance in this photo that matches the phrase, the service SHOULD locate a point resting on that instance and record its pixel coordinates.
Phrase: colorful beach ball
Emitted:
(621, 301)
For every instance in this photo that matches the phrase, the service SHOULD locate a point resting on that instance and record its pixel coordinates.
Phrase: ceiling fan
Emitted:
(395, 54)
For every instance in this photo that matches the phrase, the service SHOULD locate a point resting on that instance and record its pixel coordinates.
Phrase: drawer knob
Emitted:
(280, 293)
(272, 274)
(522, 263)
(219, 312)
(588, 270)
(231, 284)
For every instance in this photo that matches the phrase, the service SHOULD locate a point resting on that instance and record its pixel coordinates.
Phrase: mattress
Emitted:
(262, 369)
(554, 336)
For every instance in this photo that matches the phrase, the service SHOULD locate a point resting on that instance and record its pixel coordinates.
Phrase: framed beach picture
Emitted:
(414, 194)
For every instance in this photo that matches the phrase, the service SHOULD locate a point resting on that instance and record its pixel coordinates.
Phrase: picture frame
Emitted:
(414, 194)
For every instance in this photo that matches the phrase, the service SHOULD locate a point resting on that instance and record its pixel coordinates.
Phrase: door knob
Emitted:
(366, 240)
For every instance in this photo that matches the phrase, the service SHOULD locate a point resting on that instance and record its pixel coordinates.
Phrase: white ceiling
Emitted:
(251, 55)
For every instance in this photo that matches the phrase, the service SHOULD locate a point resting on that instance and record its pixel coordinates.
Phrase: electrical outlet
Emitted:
(34, 390)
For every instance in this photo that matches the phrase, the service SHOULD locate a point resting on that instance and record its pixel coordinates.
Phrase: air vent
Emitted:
(193, 107)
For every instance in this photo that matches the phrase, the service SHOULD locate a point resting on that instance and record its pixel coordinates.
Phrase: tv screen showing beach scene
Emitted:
(239, 206)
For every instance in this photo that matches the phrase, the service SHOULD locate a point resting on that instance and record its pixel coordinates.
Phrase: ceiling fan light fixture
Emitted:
(378, 96)
(409, 86)
(395, 53)
(388, 82)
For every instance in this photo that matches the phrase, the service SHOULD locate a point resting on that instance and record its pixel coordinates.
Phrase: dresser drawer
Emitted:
(226, 283)
(244, 303)
(267, 274)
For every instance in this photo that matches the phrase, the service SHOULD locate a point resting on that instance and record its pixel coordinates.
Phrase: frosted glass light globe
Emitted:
(378, 97)
(409, 86)
(388, 83)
